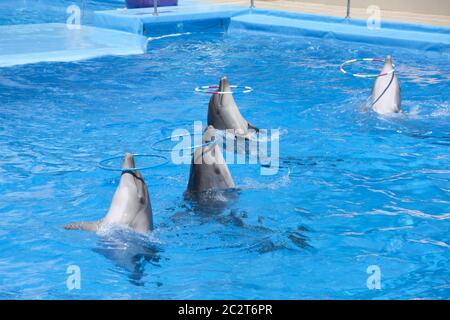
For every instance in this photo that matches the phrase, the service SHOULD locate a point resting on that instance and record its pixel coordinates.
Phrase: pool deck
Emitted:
(123, 32)
(338, 11)
(55, 42)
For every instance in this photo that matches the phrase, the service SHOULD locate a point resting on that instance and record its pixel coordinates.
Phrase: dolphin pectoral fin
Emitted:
(252, 127)
(91, 226)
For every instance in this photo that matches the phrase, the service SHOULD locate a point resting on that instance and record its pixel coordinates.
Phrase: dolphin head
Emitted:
(133, 195)
(211, 150)
(386, 90)
(223, 112)
(222, 109)
(209, 170)
(208, 153)
(130, 205)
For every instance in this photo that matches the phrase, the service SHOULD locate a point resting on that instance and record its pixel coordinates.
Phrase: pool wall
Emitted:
(390, 34)
(190, 18)
(437, 7)
(142, 21)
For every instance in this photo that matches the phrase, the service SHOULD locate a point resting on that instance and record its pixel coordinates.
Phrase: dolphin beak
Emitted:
(223, 84)
(388, 60)
(128, 161)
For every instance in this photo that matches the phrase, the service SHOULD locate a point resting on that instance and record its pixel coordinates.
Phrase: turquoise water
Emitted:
(354, 189)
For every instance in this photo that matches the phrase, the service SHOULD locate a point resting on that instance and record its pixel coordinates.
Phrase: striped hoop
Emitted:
(215, 89)
(104, 164)
(364, 75)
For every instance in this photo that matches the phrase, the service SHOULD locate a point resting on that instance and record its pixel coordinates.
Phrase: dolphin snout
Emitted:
(128, 161)
(223, 84)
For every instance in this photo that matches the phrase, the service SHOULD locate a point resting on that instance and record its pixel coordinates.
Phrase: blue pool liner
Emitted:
(391, 34)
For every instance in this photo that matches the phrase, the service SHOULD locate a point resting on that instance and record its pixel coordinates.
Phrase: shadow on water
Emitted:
(436, 139)
(411, 123)
(296, 165)
(129, 251)
(211, 203)
(217, 207)
(310, 161)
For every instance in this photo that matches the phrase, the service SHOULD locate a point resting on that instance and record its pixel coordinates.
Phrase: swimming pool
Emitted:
(355, 188)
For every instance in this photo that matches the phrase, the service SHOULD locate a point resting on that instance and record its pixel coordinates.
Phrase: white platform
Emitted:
(31, 43)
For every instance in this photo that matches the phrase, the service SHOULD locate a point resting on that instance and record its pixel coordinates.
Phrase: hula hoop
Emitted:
(102, 164)
(214, 89)
(364, 75)
(153, 146)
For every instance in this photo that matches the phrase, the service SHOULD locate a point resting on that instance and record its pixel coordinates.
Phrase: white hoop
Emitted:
(364, 75)
(209, 89)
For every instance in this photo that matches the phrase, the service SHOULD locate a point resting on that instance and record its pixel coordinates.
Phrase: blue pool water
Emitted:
(46, 11)
(354, 189)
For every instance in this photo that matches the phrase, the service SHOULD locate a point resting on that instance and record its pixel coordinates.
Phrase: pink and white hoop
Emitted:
(215, 89)
(364, 75)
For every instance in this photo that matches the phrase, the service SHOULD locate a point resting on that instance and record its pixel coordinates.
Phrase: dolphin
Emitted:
(223, 113)
(130, 206)
(208, 168)
(386, 90)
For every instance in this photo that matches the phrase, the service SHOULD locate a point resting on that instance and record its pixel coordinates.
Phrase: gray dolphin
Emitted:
(209, 170)
(223, 113)
(130, 206)
(386, 90)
